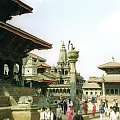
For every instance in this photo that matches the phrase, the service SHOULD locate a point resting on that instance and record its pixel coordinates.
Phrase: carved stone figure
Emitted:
(28, 100)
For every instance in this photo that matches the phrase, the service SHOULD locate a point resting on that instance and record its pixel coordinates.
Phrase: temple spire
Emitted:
(62, 54)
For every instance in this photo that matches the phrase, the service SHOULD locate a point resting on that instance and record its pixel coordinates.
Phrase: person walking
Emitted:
(16, 79)
(110, 110)
(94, 110)
(85, 107)
(64, 106)
(102, 112)
(43, 114)
(116, 102)
(49, 114)
(114, 115)
(106, 103)
(59, 112)
(70, 113)
(69, 103)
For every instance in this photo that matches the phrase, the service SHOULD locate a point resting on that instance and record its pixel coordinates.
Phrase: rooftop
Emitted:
(111, 64)
(91, 85)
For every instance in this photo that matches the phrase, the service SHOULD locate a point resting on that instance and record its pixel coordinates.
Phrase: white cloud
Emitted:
(110, 24)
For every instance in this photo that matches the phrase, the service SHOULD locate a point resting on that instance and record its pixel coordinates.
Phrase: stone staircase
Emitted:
(14, 93)
(10, 92)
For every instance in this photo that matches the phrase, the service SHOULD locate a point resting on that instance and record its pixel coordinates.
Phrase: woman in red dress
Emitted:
(94, 110)
(69, 113)
(85, 107)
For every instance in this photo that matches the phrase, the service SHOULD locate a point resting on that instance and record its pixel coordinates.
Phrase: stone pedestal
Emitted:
(73, 56)
(25, 113)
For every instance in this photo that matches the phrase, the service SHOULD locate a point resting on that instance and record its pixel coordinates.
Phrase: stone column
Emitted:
(73, 56)
(11, 66)
(103, 87)
(30, 84)
(1, 69)
(20, 72)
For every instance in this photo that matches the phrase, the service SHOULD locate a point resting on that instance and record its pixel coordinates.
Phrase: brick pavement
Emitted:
(105, 118)
(91, 118)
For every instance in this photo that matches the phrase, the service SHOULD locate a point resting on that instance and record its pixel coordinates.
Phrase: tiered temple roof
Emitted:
(112, 64)
(90, 85)
(9, 8)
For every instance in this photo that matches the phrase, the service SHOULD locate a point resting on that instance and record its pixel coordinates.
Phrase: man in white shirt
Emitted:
(114, 115)
(43, 114)
(49, 114)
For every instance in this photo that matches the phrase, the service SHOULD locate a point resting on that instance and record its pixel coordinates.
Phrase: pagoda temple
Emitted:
(110, 80)
(14, 42)
(112, 77)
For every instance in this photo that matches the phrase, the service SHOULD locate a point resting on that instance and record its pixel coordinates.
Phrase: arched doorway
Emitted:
(6, 72)
(112, 91)
(116, 91)
(16, 68)
(107, 92)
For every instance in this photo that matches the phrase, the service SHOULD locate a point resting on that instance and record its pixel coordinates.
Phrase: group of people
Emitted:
(111, 112)
(72, 111)
(47, 114)
(64, 107)
(79, 107)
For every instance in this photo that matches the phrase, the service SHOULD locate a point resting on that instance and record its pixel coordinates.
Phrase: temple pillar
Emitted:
(103, 87)
(30, 84)
(11, 67)
(1, 69)
(72, 57)
(66, 90)
(20, 71)
(48, 89)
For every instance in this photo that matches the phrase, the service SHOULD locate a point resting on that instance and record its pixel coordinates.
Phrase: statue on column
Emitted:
(70, 46)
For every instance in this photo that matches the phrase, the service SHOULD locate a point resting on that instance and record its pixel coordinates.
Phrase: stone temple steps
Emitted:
(10, 92)
(14, 92)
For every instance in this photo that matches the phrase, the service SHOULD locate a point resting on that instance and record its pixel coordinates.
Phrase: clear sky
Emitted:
(93, 26)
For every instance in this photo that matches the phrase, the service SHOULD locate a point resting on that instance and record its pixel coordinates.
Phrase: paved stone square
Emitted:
(90, 118)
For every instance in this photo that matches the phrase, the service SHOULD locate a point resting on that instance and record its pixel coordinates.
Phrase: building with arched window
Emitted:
(91, 89)
(111, 79)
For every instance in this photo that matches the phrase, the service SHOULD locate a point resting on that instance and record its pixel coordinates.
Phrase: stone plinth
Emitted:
(5, 113)
(25, 113)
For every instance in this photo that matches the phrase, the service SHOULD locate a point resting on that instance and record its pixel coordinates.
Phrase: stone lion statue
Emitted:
(28, 100)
